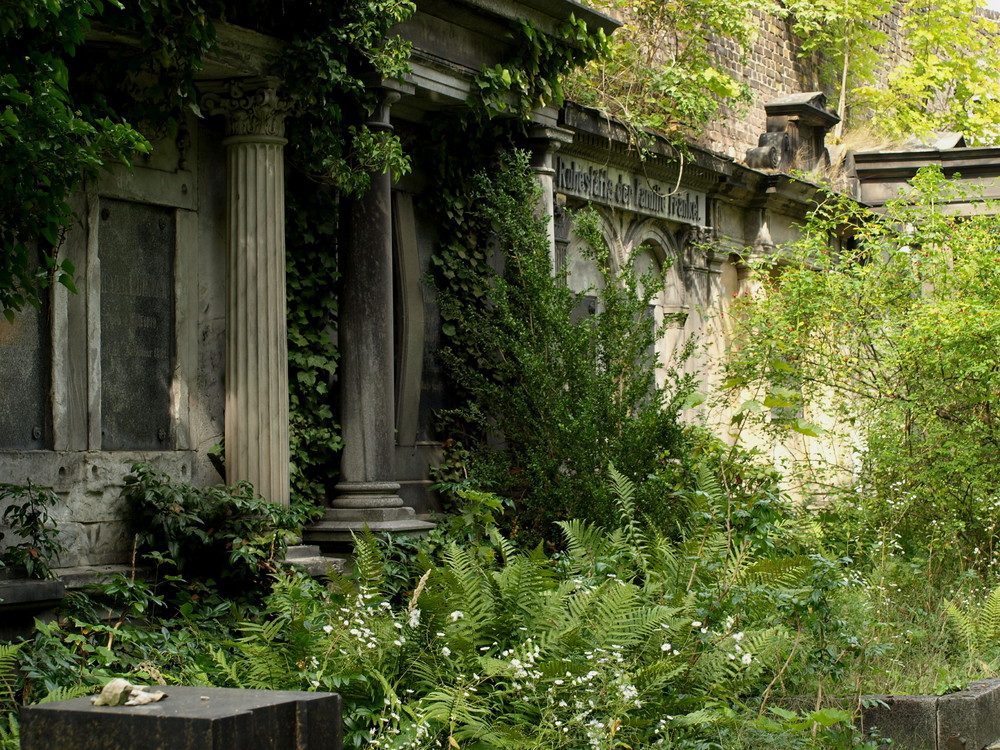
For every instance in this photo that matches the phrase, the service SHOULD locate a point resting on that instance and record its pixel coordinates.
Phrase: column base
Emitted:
(336, 530)
(359, 495)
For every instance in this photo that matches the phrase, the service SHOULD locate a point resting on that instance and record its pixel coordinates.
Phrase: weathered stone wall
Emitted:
(81, 454)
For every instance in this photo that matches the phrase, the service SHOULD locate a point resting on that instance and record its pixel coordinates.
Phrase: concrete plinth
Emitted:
(190, 718)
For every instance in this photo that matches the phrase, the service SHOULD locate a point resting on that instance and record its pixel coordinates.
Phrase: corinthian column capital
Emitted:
(251, 106)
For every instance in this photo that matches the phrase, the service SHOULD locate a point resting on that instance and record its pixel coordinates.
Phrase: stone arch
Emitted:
(654, 249)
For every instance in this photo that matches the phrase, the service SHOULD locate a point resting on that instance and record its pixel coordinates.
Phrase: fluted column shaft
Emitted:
(256, 328)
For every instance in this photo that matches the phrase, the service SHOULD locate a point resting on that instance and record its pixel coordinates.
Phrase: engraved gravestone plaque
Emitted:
(137, 243)
(24, 380)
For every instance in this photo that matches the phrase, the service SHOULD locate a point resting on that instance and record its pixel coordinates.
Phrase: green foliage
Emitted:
(627, 639)
(533, 76)
(329, 47)
(847, 40)
(564, 397)
(49, 142)
(662, 69)
(36, 543)
(948, 80)
(312, 272)
(8, 673)
(691, 636)
(228, 535)
(979, 629)
(889, 342)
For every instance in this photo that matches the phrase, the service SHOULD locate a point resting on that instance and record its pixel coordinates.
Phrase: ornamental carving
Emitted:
(251, 106)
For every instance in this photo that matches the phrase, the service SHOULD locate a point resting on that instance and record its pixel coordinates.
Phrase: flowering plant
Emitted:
(625, 639)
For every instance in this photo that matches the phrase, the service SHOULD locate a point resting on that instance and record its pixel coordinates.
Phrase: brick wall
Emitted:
(775, 67)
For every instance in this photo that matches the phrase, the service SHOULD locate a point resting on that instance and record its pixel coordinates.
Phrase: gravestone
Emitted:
(189, 718)
(24, 380)
(137, 243)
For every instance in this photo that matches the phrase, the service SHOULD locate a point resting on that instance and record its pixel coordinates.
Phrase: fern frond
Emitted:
(508, 550)
(989, 619)
(586, 543)
(623, 490)
(785, 572)
(964, 625)
(65, 693)
(229, 670)
(8, 671)
(468, 587)
(368, 561)
(708, 484)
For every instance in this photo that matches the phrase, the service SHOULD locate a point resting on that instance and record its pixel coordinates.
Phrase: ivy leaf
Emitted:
(693, 400)
(806, 428)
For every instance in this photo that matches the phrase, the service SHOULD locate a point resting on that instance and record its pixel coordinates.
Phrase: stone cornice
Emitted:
(238, 52)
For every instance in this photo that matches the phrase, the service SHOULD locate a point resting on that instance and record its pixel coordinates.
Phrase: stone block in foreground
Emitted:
(190, 718)
(966, 720)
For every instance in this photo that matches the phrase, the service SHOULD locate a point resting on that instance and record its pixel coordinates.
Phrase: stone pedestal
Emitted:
(256, 334)
(367, 496)
(190, 718)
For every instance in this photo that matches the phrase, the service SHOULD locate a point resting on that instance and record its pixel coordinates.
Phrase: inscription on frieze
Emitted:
(630, 191)
(136, 247)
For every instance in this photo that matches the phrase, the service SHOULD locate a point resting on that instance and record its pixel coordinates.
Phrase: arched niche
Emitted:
(656, 259)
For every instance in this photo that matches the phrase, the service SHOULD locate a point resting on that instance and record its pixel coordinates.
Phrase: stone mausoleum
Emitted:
(176, 340)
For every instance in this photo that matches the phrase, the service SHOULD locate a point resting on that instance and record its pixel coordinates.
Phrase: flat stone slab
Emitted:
(189, 718)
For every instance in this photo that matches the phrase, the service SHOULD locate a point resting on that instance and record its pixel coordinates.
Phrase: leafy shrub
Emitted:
(550, 401)
(890, 341)
(228, 535)
(36, 544)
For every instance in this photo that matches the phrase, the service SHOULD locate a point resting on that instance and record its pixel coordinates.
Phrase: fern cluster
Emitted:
(628, 638)
(632, 636)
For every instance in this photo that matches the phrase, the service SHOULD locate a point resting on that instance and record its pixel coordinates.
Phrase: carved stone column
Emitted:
(256, 332)
(367, 495)
(545, 141)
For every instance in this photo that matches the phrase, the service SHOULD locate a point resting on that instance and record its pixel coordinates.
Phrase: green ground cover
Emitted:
(678, 600)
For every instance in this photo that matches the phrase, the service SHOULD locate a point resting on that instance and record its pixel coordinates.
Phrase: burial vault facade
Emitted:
(176, 340)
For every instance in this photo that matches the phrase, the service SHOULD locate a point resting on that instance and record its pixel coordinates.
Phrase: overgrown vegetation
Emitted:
(34, 544)
(888, 340)
(550, 400)
(705, 632)
(661, 70)
(939, 75)
(226, 538)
